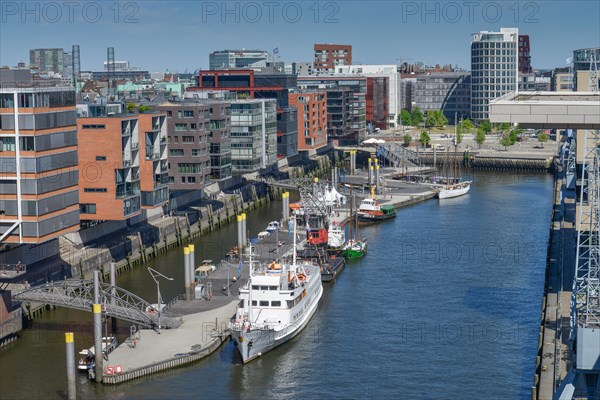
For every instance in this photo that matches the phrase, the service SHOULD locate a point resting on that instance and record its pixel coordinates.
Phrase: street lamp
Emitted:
(155, 274)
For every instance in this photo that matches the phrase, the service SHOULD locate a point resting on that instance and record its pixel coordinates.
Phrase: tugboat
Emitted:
(369, 211)
(336, 237)
(275, 305)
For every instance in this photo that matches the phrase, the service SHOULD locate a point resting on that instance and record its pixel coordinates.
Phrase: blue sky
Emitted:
(156, 35)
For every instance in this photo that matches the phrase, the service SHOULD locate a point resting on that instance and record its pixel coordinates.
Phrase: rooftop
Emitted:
(549, 97)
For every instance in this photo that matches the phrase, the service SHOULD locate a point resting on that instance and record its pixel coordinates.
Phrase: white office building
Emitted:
(494, 68)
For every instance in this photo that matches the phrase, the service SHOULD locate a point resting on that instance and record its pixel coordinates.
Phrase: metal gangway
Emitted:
(116, 302)
(398, 155)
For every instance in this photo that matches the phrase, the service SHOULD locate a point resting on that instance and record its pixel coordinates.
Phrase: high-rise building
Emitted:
(582, 60)
(253, 135)
(524, 55)
(312, 118)
(494, 68)
(39, 199)
(235, 59)
(199, 142)
(49, 60)
(123, 159)
(449, 92)
(329, 56)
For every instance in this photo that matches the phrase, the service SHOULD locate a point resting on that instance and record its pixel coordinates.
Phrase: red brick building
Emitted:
(312, 118)
(329, 56)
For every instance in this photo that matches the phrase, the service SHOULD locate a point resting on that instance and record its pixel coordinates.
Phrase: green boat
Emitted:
(355, 249)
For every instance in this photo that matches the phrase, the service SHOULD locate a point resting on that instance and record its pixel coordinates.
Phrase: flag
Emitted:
(239, 274)
(276, 50)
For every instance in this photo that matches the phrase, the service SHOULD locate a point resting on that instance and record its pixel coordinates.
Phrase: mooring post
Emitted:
(70, 353)
(113, 291)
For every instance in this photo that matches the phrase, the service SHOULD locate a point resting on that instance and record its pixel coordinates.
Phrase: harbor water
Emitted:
(445, 305)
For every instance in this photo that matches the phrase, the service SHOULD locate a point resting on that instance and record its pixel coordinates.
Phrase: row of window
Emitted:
(94, 190)
(181, 152)
(265, 303)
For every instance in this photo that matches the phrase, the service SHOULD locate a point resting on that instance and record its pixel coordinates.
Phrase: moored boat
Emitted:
(336, 236)
(455, 190)
(275, 305)
(88, 361)
(370, 211)
(355, 249)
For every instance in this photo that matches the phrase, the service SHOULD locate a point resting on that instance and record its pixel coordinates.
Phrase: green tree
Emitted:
(480, 136)
(440, 119)
(431, 119)
(416, 117)
(130, 106)
(405, 118)
(506, 141)
(486, 126)
(424, 139)
(459, 137)
(543, 138)
(142, 108)
(503, 127)
(407, 139)
(514, 134)
(464, 126)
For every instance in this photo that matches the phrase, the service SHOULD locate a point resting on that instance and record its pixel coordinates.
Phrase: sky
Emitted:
(179, 35)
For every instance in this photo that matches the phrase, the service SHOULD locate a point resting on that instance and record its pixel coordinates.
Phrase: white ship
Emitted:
(458, 189)
(275, 305)
(336, 237)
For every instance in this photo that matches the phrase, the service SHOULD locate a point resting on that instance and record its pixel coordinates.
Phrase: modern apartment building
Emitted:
(346, 106)
(258, 85)
(312, 118)
(199, 142)
(123, 159)
(38, 163)
(329, 56)
(449, 92)
(376, 115)
(235, 59)
(253, 135)
(48, 60)
(494, 68)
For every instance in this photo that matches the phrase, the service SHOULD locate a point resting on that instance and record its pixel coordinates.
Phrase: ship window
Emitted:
(254, 302)
(272, 287)
(264, 303)
(254, 287)
(276, 304)
(264, 288)
(290, 303)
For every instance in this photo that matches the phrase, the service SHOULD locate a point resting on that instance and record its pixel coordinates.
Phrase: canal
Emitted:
(446, 304)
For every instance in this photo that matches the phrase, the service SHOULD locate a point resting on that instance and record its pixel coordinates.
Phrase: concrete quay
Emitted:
(147, 352)
(552, 361)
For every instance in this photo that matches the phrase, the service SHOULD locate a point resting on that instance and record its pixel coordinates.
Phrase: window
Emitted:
(94, 190)
(181, 127)
(188, 139)
(193, 127)
(197, 152)
(188, 114)
(254, 287)
(183, 179)
(100, 158)
(189, 168)
(7, 144)
(27, 143)
(254, 303)
(272, 287)
(191, 179)
(176, 152)
(93, 126)
(176, 139)
(87, 208)
(264, 288)
(263, 303)
(276, 303)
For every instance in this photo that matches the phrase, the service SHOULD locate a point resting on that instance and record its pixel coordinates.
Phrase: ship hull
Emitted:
(253, 343)
(454, 192)
(366, 218)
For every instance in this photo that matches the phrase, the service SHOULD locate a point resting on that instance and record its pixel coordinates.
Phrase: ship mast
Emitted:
(351, 206)
(250, 284)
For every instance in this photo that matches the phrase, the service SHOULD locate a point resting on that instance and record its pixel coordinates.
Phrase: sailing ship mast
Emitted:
(455, 143)
(351, 206)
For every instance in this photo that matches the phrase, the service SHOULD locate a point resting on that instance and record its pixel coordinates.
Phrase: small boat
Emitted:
(370, 211)
(275, 305)
(272, 227)
(355, 249)
(87, 361)
(454, 190)
(336, 236)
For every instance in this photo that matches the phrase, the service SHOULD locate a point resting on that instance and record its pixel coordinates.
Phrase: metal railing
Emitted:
(12, 270)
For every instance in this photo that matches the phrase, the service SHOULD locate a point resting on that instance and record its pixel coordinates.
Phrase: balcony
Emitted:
(126, 163)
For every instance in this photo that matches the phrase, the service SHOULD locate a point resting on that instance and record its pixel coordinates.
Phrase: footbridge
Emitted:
(116, 302)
